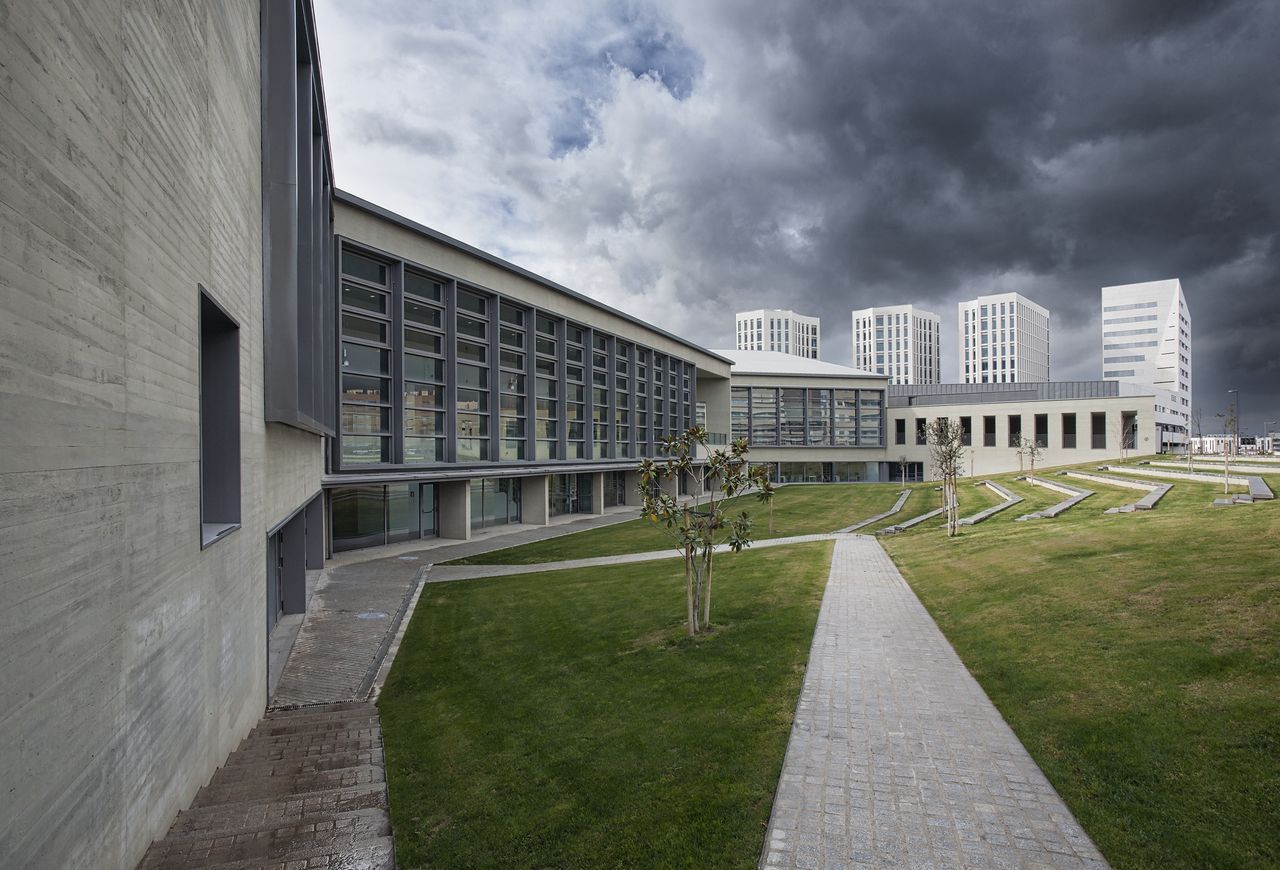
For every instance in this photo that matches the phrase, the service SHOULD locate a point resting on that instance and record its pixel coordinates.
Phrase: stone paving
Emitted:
(897, 758)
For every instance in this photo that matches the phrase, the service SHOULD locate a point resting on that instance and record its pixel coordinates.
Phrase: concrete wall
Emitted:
(133, 661)
(980, 460)
(535, 495)
(453, 516)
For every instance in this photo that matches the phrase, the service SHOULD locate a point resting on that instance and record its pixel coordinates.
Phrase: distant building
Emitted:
(778, 330)
(1004, 338)
(1146, 340)
(900, 341)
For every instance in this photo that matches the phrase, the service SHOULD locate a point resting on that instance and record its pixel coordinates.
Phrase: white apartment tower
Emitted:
(1004, 338)
(900, 341)
(1146, 339)
(778, 330)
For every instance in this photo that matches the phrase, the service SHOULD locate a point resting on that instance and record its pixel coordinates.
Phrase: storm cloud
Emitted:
(685, 160)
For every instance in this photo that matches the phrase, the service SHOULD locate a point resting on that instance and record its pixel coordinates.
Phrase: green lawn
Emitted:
(1137, 656)
(797, 510)
(564, 720)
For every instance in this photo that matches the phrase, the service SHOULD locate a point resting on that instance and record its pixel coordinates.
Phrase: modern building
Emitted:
(1249, 445)
(778, 330)
(475, 393)
(1146, 339)
(902, 342)
(1004, 339)
(811, 421)
(169, 383)
(1069, 421)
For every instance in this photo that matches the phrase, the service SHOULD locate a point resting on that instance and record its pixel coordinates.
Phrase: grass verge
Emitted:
(562, 719)
(1137, 656)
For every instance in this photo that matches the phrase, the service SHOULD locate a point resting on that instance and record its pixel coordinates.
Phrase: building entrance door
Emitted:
(427, 511)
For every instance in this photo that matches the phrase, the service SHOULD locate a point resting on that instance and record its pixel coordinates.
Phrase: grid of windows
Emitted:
(523, 379)
(798, 417)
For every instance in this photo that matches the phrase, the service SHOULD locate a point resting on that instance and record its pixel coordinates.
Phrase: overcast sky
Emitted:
(683, 160)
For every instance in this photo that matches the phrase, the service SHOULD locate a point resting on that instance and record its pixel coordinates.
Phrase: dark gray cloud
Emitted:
(683, 160)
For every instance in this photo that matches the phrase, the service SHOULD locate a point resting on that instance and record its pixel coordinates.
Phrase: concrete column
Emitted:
(671, 486)
(454, 517)
(597, 492)
(535, 500)
(633, 498)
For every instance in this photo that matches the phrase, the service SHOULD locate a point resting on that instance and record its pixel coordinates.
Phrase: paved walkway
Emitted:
(897, 758)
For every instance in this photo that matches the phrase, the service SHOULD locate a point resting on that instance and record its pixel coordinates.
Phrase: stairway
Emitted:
(306, 788)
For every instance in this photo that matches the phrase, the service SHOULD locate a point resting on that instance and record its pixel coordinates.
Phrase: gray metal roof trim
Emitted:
(378, 211)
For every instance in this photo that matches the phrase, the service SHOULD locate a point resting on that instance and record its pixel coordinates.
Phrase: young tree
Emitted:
(902, 468)
(1230, 421)
(1197, 422)
(1032, 451)
(947, 453)
(695, 526)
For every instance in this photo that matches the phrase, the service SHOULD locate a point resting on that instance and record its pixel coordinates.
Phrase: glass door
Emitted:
(427, 511)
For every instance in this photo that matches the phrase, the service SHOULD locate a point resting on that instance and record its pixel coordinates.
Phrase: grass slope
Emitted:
(797, 510)
(564, 720)
(1137, 656)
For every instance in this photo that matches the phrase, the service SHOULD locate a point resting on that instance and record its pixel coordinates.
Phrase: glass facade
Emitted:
(807, 417)
(370, 516)
(570, 494)
(436, 372)
(495, 502)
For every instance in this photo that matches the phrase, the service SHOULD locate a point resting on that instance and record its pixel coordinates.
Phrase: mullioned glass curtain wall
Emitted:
(808, 416)
(433, 370)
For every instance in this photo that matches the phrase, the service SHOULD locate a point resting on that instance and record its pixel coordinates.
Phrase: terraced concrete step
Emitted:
(270, 812)
(264, 844)
(374, 854)
(319, 711)
(300, 751)
(349, 731)
(266, 785)
(338, 722)
(229, 772)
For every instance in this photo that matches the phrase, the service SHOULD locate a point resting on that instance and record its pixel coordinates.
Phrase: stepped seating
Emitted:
(1257, 486)
(1009, 500)
(902, 499)
(1154, 491)
(1074, 494)
(306, 788)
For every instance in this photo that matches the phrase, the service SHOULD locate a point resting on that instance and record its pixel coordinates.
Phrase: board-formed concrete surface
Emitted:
(897, 758)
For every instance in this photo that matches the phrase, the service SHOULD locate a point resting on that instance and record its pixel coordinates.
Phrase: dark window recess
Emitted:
(988, 431)
(900, 431)
(1069, 431)
(1042, 430)
(219, 422)
(299, 286)
(966, 431)
(922, 430)
(1015, 431)
(1129, 429)
(1098, 424)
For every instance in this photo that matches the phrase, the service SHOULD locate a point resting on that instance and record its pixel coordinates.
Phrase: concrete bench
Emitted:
(1010, 499)
(1258, 489)
(1154, 491)
(1236, 467)
(1075, 496)
(902, 499)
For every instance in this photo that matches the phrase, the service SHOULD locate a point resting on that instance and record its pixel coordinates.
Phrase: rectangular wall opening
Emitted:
(1015, 430)
(989, 431)
(966, 431)
(1069, 431)
(219, 421)
(1042, 430)
(1098, 423)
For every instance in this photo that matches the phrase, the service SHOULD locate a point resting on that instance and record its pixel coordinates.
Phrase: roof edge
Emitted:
(378, 211)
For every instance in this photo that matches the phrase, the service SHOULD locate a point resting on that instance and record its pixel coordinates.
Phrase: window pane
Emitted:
(366, 360)
(423, 314)
(360, 266)
(423, 422)
(472, 352)
(573, 354)
(513, 450)
(545, 346)
(512, 337)
(512, 383)
(512, 360)
(512, 427)
(421, 368)
(547, 367)
(361, 389)
(365, 419)
(574, 334)
(473, 425)
(366, 300)
(575, 392)
(427, 342)
(423, 449)
(421, 285)
(423, 395)
(544, 387)
(365, 449)
(510, 404)
(546, 408)
(470, 376)
(546, 325)
(468, 301)
(473, 449)
(472, 400)
(511, 314)
(366, 330)
(471, 327)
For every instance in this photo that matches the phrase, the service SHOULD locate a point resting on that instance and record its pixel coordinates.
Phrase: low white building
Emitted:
(900, 341)
(777, 329)
(1215, 445)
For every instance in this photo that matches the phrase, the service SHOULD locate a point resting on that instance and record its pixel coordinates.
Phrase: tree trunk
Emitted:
(706, 592)
(688, 587)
